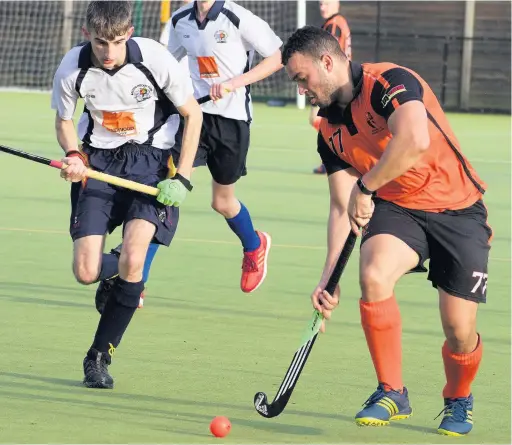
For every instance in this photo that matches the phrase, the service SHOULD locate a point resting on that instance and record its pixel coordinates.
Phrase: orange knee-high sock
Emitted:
(460, 370)
(383, 330)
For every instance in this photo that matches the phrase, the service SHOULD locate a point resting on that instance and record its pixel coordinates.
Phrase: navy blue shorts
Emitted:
(223, 147)
(97, 208)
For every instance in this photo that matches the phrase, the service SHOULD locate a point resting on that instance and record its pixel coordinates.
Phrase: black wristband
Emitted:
(184, 181)
(363, 187)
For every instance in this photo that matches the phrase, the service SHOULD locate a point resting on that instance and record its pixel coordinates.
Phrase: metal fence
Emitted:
(424, 36)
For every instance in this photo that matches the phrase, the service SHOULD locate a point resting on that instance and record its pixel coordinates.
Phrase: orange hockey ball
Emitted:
(220, 426)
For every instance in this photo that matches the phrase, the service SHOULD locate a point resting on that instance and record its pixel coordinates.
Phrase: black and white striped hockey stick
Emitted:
(301, 355)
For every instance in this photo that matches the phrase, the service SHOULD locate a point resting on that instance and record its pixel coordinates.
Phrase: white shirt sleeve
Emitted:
(174, 80)
(174, 45)
(258, 35)
(164, 36)
(64, 95)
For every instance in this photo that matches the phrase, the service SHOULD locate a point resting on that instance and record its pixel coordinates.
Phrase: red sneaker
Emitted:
(141, 301)
(254, 265)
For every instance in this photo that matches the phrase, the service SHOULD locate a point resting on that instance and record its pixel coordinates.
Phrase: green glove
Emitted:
(173, 191)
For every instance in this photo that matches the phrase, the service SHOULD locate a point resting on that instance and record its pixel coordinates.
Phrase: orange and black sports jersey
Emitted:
(338, 27)
(357, 135)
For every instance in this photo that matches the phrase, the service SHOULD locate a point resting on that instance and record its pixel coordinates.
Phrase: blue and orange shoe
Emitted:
(458, 416)
(383, 406)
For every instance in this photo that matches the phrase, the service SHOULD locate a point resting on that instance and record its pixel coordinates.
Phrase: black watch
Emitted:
(184, 181)
(363, 187)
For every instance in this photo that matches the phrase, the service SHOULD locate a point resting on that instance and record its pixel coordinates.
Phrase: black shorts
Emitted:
(456, 241)
(223, 146)
(98, 208)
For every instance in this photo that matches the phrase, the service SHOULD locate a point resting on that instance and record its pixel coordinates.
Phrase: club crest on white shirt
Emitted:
(221, 36)
(142, 92)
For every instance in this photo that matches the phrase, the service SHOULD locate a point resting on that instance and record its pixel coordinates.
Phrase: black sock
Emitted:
(117, 314)
(109, 266)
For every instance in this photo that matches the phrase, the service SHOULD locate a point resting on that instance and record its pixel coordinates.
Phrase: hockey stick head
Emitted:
(301, 355)
(270, 410)
(284, 393)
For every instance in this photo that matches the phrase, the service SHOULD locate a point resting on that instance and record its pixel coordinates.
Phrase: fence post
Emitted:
(301, 22)
(446, 50)
(377, 32)
(467, 54)
(67, 27)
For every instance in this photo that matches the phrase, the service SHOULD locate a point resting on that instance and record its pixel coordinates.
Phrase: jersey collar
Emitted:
(133, 55)
(213, 13)
(334, 112)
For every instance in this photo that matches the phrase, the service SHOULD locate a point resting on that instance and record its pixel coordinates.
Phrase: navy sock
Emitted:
(241, 224)
(117, 314)
(153, 247)
(109, 266)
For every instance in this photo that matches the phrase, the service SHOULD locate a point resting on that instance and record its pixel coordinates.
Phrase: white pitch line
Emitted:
(202, 241)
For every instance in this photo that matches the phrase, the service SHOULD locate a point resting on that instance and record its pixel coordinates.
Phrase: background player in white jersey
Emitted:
(133, 90)
(220, 39)
(164, 36)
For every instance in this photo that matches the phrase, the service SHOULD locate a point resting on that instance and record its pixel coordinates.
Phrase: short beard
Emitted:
(332, 92)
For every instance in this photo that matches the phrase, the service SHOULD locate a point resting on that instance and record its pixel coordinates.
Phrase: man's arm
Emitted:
(268, 66)
(177, 86)
(409, 127)
(342, 178)
(173, 190)
(338, 228)
(191, 112)
(64, 99)
(66, 133)
(258, 36)
(398, 97)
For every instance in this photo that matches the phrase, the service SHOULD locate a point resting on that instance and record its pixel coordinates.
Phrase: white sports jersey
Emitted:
(220, 48)
(135, 102)
(164, 40)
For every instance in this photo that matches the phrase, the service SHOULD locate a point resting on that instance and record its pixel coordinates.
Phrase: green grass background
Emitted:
(201, 347)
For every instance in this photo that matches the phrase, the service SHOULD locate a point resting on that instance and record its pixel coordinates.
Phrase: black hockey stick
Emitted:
(301, 355)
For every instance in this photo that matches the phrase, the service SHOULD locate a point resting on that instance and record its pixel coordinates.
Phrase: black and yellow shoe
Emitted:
(383, 406)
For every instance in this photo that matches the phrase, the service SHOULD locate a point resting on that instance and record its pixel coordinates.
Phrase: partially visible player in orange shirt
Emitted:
(336, 24)
(396, 169)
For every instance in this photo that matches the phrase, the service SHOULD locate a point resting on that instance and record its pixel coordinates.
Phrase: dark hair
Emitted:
(109, 19)
(312, 41)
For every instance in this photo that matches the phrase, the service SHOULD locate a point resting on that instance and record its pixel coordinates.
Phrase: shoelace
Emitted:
(458, 410)
(248, 264)
(375, 397)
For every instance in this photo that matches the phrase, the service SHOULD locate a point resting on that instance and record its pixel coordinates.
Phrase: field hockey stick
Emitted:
(301, 355)
(104, 177)
(114, 180)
